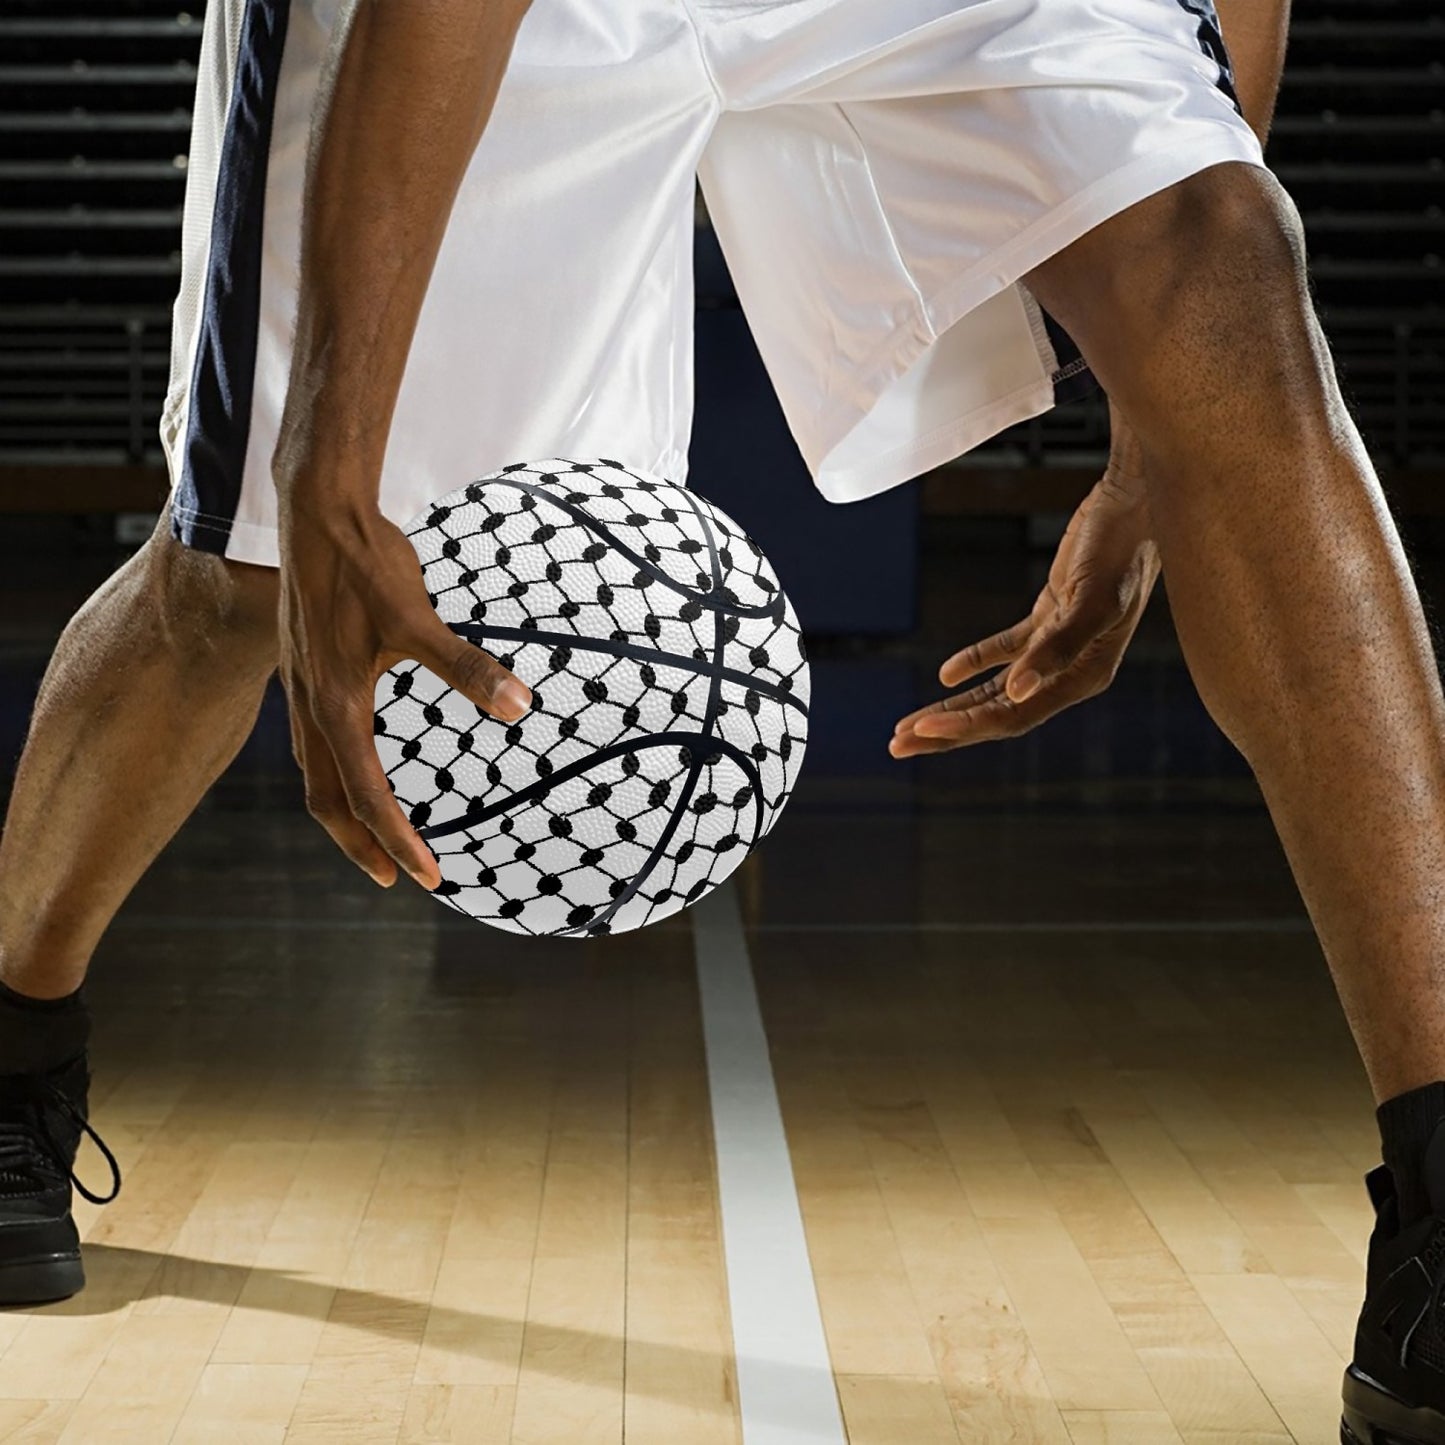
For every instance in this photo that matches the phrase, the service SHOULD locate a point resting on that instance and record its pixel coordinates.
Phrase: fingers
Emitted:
(353, 601)
(1066, 650)
(959, 702)
(978, 657)
(477, 675)
(908, 741)
(346, 788)
(466, 669)
(988, 721)
(1054, 650)
(347, 734)
(987, 713)
(1074, 659)
(1041, 677)
(326, 798)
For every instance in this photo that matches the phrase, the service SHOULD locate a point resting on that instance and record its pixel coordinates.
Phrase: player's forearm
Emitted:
(1255, 32)
(411, 85)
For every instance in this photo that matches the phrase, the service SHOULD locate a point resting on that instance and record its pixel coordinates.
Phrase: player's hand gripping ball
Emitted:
(670, 699)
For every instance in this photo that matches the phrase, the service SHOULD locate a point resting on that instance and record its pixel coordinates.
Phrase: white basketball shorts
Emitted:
(880, 172)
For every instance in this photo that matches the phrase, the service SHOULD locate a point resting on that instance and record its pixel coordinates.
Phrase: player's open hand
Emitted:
(352, 604)
(1068, 648)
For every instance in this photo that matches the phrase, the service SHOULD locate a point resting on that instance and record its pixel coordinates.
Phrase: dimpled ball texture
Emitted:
(669, 710)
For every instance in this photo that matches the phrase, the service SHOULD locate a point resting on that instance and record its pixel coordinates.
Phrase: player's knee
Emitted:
(1202, 293)
(1203, 280)
(1227, 291)
(1236, 241)
(205, 602)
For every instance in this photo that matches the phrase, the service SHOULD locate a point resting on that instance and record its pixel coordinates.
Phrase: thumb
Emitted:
(477, 675)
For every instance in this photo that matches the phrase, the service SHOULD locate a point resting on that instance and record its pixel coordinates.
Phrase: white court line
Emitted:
(786, 1394)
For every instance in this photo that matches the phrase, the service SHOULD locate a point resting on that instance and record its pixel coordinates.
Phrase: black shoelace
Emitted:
(30, 1150)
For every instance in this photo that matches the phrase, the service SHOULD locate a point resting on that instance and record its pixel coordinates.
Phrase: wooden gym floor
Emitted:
(1075, 1128)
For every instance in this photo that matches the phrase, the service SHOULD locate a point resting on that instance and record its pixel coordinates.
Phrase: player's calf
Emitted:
(151, 689)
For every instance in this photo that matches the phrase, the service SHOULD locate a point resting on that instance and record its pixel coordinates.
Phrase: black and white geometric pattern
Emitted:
(670, 699)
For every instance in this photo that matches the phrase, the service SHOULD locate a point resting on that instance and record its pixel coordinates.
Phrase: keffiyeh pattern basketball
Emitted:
(670, 699)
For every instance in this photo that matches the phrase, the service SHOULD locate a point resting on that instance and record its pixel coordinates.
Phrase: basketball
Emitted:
(670, 699)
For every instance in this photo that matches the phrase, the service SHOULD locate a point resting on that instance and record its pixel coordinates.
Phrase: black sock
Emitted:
(40, 1034)
(1407, 1124)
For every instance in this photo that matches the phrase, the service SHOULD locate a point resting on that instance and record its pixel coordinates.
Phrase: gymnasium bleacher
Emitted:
(94, 122)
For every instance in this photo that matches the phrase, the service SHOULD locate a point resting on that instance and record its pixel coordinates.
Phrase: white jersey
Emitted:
(881, 175)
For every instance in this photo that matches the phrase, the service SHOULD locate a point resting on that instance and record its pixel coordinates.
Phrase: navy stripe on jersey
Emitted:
(213, 454)
(1211, 42)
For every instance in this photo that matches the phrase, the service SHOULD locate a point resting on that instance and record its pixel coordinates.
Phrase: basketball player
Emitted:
(937, 213)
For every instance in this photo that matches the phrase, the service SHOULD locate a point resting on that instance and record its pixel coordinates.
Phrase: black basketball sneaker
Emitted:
(1394, 1392)
(42, 1117)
